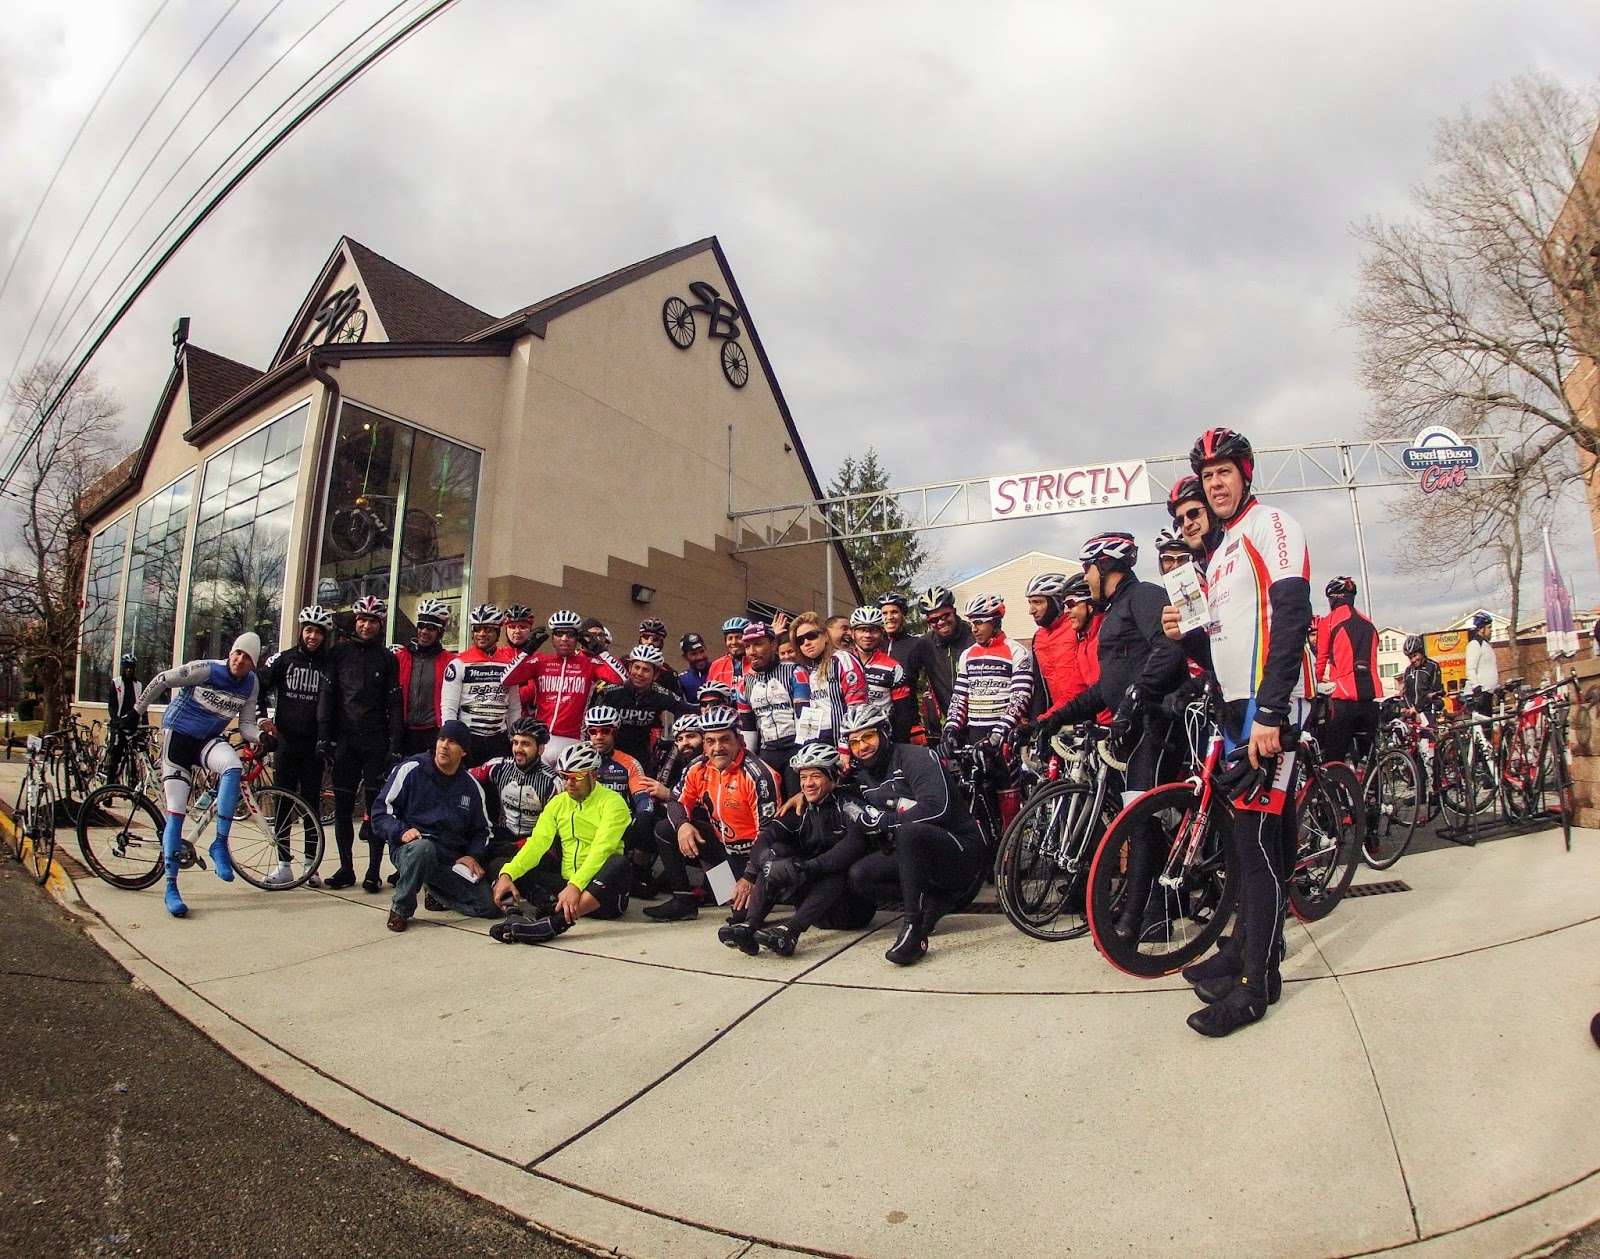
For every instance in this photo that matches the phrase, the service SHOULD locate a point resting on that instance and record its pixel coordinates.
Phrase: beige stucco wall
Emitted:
(1010, 582)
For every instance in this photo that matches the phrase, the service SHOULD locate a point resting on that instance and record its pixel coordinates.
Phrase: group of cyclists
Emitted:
(811, 762)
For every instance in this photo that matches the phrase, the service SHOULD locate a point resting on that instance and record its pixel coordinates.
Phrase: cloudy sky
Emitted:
(983, 238)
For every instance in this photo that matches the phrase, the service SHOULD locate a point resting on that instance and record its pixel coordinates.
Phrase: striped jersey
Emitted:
(1260, 546)
(993, 688)
(770, 701)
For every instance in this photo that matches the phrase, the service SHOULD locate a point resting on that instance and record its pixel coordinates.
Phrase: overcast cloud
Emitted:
(981, 237)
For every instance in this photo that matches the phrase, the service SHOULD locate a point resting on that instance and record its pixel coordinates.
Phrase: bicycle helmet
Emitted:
(432, 612)
(1416, 645)
(870, 616)
(715, 719)
(1482, 621)
(1169, 543)
(735, 624)
(653, 625)
(580, 758)
(864, 717)
(486, 614)
(648, 653)
(602, 717)
(1112, 550)
(370, 605)
(519, 614)
(816, 755)
(1186, 489)
(936, 597)
(317, 615)
(532, 728)
(1047, 586)
(1341, 588)
(1223, 443)
(565, 619)
(721, 692)
(984, 608)
(689, 722)
(129, 658)
(1077, 590)
(894, 599)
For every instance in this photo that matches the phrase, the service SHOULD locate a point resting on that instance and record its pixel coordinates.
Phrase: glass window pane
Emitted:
(155, 563)
(436, 545)
(102, 593)
(364, 487)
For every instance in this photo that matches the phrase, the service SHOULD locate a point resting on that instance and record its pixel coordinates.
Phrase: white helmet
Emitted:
(319, 616)
(867, 616)
(565, 619)
(580, 758)
(602, 715)
(487, 614)
(984, 608)
(719, 719)
(648, 653)
(432, 612)
(1047, 585)
(865, 717)
(817, 755)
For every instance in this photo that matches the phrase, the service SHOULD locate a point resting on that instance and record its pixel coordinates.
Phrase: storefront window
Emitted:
(102, 592)
(154, 566)
(241, 539)
(384, 471)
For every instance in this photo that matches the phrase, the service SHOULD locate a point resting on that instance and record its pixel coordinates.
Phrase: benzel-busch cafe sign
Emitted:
(1442, 458)
(1057, 490)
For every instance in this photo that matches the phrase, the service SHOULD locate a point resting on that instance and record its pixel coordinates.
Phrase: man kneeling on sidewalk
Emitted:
(433, 815)
(588, 821)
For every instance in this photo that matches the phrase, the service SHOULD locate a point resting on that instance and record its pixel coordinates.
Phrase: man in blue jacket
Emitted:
(433, 815)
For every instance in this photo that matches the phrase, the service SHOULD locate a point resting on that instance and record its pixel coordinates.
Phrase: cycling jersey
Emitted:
(727, 670)
(625, 776)
(1089, 663)
(837, 687)
(522, 793)
(1057, 676)
(362, 697)
(1259, 594)
(1133, 653)
(888, 688)
(1347, 654)
(556, 688)
(738, 802)
(1422, 685)
(770, 701)
(993, 686)
(208, 700)
(476, 691)
(940, 657)
(125, 694)
(1483, 674)
(297, 676)
(639, 715)
(589, 831)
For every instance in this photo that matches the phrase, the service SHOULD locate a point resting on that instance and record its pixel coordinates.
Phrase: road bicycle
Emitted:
(1393, 792)
(974, 767)
(1515, 761)
(1330, 832)
(33, 822)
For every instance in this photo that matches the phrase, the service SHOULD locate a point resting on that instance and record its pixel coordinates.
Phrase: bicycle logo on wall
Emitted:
(339, 319)
(722, 316)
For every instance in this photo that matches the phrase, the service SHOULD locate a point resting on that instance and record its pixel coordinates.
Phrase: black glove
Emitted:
(783, 875)
(537, 639)
(268, 742)
(949, 741)
(1239, 779)
(591, 644)
(1121, 738)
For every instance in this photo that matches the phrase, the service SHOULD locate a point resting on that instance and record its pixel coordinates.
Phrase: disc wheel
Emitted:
(1042, 871)
(276, 843)
(1328, 841)
(40, 822)
(678, 320)
(1393, 800)
(119, 835)
(1139, 926)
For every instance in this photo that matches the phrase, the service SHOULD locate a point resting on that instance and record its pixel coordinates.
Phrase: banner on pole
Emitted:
(1059, 490)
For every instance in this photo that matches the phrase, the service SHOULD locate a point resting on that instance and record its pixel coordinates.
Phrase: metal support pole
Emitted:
(1355, 518)
(827, 560)
(730, 477)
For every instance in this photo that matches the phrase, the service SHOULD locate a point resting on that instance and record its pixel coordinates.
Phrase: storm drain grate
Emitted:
(1378, 889)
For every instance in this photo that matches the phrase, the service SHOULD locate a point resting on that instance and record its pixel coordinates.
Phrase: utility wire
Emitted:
(345, 79)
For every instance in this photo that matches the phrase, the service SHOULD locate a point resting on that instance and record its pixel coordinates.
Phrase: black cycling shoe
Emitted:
(911, 946)
(782, 941)
(515, 930)
(738, 935)
(1209, 990)
(679, 908)
(1223, 964)
(936, 907)
(340, 878)
(1244, 1005)
(372, 883)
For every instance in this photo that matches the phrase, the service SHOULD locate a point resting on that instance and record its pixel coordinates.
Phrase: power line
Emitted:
(412, 26)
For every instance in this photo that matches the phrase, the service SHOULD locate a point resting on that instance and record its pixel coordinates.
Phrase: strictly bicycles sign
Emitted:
(1442, 459)
(1053, 491)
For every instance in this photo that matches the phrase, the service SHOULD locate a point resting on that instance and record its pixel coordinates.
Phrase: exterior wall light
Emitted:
(643, 594)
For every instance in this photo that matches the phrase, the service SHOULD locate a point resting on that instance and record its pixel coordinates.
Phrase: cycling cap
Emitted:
(735, 624)
(721, 718)
(370, 605)
(690, 641)
(686, 723)
(653, 625)
(486, 614)
(719, 691)
(648, 653)
(519, 613)
(317, 615)
(1116, 550)
(1186, 489)
(894, 599)
(580, 758)
(1482, 621)
(602, 717)
(433, 612)
(532, 728)
(935, 597)
(1341, 588)
(1077, 590)
(984, 608)
(865, 717)
(867, 616)
(1223, 443)
(1416, 645)
(130, 658)
(1169, 543)
(565, 619)
(756, 631)
(1047, 585)
(823, 756)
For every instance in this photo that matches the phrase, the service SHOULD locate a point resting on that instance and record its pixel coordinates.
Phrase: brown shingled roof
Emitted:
(411, 308)
(213, 379)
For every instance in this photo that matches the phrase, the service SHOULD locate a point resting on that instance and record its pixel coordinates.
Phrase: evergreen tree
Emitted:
(883, 561)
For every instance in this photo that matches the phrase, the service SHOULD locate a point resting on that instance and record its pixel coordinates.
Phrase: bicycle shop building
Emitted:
(581, 452)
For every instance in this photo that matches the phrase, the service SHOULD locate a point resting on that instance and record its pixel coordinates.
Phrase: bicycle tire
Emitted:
(1455, 759)
(1520, 786)
(18, 830)
(1393, 799)
(119, 835)
(42, 834)
(1035, 890)
(1328, 837)
(1555, 779)
(259, 845)
(1205, 901)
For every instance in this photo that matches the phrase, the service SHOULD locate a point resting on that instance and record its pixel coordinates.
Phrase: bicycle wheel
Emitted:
(1042, 871)
(1328, 838)
(1555, 779)
(1393, 799)
(19, 831)
(1520, 750)
(119, 834)
(41, 827)
(1173, 925)
(277, 844)
(1466, 779)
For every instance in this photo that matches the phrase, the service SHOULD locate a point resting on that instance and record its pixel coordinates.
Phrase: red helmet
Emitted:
(1186, 489)
(1223, 443)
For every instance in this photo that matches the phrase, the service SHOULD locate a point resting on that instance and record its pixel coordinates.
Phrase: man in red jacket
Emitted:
(1057, 676)
(422, 666)
(555, 686)
(1347, 670)
(1086, 622)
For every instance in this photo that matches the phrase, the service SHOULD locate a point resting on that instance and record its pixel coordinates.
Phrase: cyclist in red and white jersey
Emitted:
(555, 686)
(1347, 671)
(476, 690)
(994, 680)
(887, 686)
(729, 669)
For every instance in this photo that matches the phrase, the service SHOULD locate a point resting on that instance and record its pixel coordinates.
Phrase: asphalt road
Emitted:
(124, 1131)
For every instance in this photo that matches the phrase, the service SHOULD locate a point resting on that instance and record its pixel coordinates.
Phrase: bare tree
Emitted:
(41, 576)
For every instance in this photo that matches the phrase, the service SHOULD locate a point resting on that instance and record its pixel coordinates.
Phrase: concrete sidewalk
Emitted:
(1427, 1082)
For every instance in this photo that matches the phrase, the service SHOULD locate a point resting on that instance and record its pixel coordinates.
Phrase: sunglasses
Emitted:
(1194, 513)
(570, 776)
(810, 636)
(862, 737)
(941, 618)
(563, 633)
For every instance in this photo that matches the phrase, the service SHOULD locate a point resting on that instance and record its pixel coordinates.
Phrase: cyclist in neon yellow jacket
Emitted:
(588, 820)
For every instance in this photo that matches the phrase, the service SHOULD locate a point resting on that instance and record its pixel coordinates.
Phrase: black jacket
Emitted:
(1422, 686)
(298, 677)
(938, 658)
(362, 698)
(639, 713)
(1134, 651)
(906, 771)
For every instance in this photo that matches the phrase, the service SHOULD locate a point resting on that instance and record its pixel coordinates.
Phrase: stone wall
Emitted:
(1585, 742)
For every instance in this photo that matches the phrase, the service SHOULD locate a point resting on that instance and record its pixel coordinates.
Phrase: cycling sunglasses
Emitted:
(810, 636)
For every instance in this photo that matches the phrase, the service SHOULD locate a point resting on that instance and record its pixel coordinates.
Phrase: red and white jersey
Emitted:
(886, 679)
(994, 685)
(558, 691)
(476, 690)
(1260, 546)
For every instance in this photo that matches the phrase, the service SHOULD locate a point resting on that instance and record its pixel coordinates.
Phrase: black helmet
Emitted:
(1341, 588)
(1186, 489)
(533, 728)
(894, 599)
(1416, 645)
(1223, 443)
